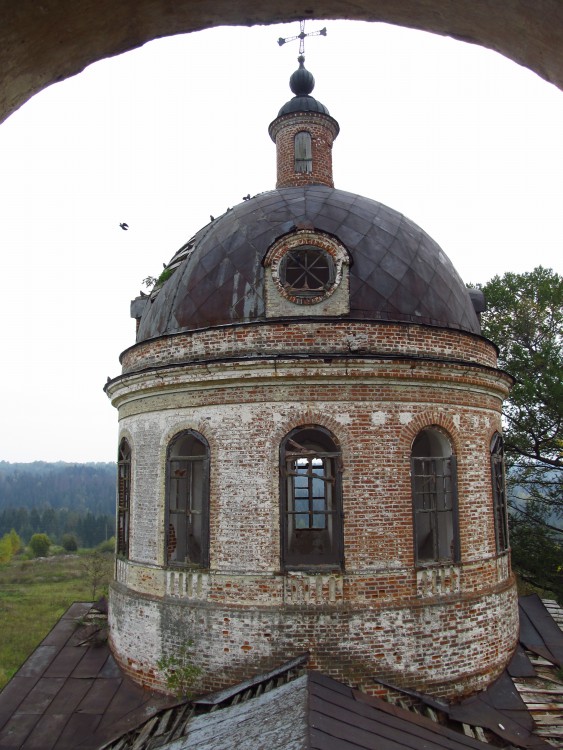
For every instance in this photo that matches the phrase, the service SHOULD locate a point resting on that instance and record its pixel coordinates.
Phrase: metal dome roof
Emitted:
(398, 273)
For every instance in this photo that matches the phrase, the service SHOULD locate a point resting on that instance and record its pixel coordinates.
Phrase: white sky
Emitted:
(459, 139)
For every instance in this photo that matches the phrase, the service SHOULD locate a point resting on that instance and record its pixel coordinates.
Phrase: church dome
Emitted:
(397, 272)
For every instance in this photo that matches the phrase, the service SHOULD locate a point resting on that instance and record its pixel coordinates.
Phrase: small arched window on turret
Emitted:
(123, 497)
(187, 500)
(434, 489)
(303, 152)
(499, 493)
(311, 499)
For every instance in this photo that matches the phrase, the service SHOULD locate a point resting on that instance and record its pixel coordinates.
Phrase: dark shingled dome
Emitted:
(398, 273)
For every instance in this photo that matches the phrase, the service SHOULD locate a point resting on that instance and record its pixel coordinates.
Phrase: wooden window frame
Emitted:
(311, 443)
(439, 475)
(123, 497)
(171, 529)
(498, 487)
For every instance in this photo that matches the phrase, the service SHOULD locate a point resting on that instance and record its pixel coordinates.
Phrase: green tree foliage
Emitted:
(5, 549)
(524, 318)
(88, 528)
(537, 551)
(78, 487)
(15, 541)
(69, 543)
(180, 672)
(98, 570)
(39, 545)
(10, 545)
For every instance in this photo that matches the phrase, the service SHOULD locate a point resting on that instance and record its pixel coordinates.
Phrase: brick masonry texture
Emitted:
(322, 338)
(445, 629)
(323, 130)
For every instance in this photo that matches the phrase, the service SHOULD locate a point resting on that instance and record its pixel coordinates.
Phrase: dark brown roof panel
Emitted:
(397, 273)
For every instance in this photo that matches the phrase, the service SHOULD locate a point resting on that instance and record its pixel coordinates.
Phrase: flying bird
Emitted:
(124, 226)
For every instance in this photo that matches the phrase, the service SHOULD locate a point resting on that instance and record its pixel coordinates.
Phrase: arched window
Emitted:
(123, 497)
(434, 489)
(499, 493)
(303, 153)
(311, 501)
(187, 506)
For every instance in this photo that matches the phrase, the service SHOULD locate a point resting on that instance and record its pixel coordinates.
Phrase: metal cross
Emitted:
(301, 36)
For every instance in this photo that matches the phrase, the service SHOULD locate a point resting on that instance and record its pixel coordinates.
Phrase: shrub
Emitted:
(107, 546)
(15, 541)
(39, 545)
(5, 549)
(69, 542)
(180, 672)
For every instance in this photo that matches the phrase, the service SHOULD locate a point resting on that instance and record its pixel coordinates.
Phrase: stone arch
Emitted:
(304, 417)
(41, 44)
(425, 419)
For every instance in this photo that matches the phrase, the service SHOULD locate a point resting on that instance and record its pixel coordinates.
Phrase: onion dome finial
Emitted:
(301, 82)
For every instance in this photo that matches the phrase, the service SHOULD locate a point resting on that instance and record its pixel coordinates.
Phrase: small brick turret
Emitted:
(303, 133)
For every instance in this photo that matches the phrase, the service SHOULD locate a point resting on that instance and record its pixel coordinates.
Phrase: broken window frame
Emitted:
(123, 497)
(435, 502)
(187, 503)
(311, 452)
(307, 271)
(498, 487)
(303, 152)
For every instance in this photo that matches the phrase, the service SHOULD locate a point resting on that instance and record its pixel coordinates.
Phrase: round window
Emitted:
(307, 271)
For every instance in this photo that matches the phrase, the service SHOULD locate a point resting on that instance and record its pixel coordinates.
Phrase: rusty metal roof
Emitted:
(70, 694)
(398, 273)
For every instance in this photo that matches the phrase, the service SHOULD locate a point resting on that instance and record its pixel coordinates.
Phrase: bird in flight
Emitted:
(124, 226)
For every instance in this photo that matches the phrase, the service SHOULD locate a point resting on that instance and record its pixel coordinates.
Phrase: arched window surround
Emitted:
(434, 497)
(311, 516)
(498, 486)
(187, 500)
(123, 497)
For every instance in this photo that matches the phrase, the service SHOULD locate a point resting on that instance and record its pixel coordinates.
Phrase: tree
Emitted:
(69, 543)
(5, 549)
(15, 541)
(524, 317)
(39, 545)
(98, 568)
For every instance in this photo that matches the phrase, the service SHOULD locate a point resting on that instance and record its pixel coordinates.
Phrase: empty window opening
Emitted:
(303, 152)
(499, 493)
(123, 497)
(434, 488)
(311, 499)
(187, 500)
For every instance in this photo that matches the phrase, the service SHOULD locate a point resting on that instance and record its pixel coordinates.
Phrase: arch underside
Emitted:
(42, 43)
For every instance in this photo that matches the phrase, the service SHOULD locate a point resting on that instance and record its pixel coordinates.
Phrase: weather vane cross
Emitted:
(301, 36)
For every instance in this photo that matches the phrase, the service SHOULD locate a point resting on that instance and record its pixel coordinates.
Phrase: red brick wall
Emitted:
(446, 629)
(323, 130)
(320, 338)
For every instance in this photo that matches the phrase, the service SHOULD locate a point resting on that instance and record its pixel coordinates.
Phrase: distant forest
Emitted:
(58, 498)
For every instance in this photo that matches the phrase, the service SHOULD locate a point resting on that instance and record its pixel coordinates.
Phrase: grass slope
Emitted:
(34, 594)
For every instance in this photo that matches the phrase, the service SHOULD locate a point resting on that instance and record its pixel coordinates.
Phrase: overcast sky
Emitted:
(461, 140)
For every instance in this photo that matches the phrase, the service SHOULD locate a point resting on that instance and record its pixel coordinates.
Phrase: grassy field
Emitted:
(33, 596)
